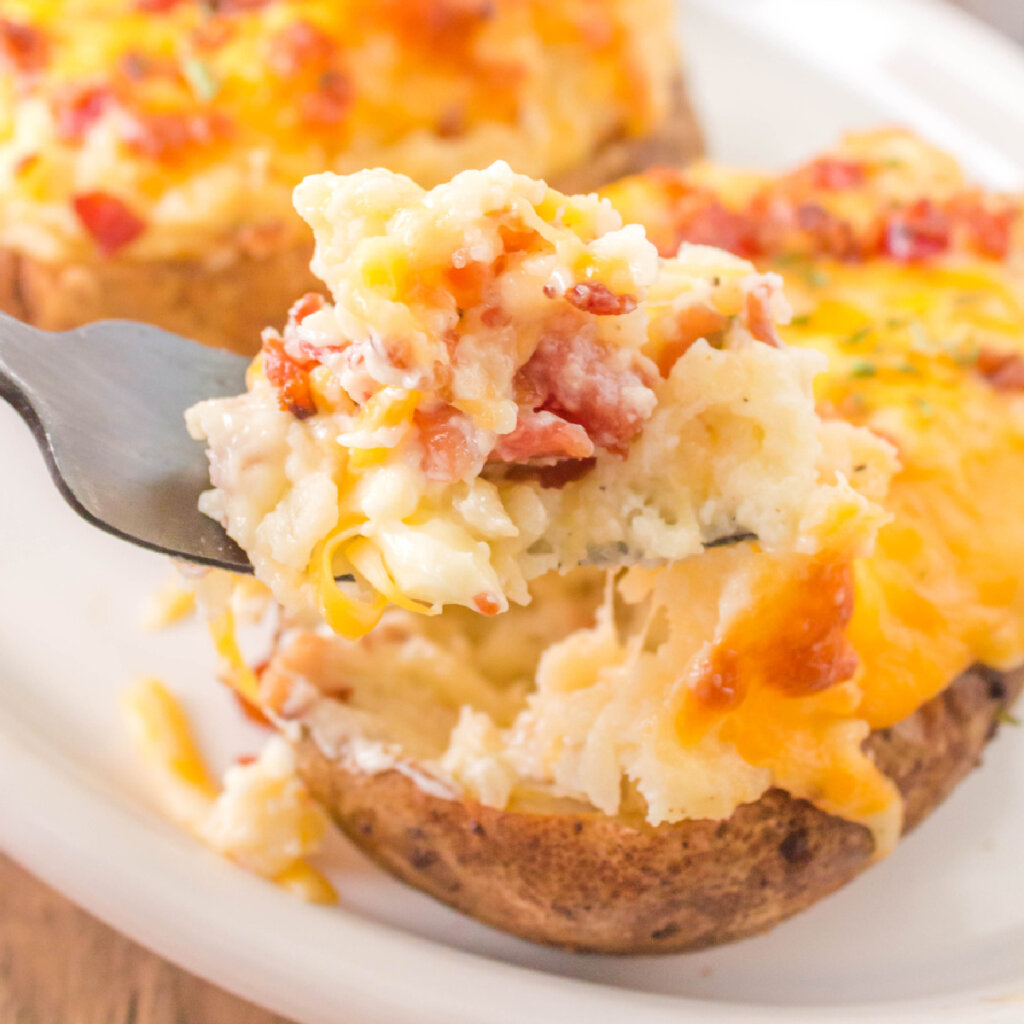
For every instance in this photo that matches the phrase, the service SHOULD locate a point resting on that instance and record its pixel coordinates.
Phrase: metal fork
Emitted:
(106, 404)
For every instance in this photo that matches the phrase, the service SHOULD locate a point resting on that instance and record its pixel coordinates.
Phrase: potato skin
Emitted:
(227, 303)
(593, 883)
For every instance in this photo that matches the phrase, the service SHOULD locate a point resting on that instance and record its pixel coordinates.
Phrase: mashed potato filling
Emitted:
(658, 695)
(508, 382)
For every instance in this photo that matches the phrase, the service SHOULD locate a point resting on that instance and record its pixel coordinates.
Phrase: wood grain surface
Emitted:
(59, 965)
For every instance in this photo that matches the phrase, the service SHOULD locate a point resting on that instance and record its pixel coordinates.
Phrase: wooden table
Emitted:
(59, 965)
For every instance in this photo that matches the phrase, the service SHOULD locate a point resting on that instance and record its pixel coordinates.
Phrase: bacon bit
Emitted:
(23, 47)
(329, 103)
(553, 477)
(156, 6)
(109, 222)
(237, 6)
(1003, 370)
(576, 379)
(447, 18)
(452, 123)
(310, 303)
(289, 377)
(213, 33)
(167, 135)
(299, 45)
(693, 323)
(834, 174)
(485, 604)
(77, 109)
(542, 435)
(712, 223)
(918, 232)
(448, 452)
(830, 234)
(759, 318)
(597, 298)
(135, 66)
(989, 228)
(244, 760)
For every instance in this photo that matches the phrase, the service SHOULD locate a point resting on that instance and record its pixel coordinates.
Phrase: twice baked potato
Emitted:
(148, 151)
(688, 755)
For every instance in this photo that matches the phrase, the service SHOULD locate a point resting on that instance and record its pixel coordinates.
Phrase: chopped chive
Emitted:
(907, 368)
(857, 336)
(817, 277)
(863, 368)
(801, 321)
(200, 78)
(1005, 718)
(924, 406)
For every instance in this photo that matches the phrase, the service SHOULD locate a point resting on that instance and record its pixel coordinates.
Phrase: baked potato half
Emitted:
(595, 883)
(686, 754)
(146, 172)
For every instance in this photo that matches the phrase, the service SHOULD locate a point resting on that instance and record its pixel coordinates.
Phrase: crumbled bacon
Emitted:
(918, 232)
(829, 235)
(110, 222)
(76, 109)
(299, 45)
(835, 174)
(988, 226)
(792, 215)
(330, 101)
(22, 46)
(598, 299)
(542, 435)
(289, 376)
(553, 477)
(1003, 370)
(579, 381)
(710, 222)
(156, 6)
(448, 451)
(485, 604)
(758, 311)
(310, 303)
(167, 135)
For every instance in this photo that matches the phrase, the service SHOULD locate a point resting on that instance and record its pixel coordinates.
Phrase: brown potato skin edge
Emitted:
(592, 883)
(227, 304)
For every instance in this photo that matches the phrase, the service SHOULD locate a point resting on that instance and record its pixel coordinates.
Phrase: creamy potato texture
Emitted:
(691, 689)
(510, 381)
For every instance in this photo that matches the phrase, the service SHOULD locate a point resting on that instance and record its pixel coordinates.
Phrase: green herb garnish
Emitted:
(857, 337)
(863, 368)
(200, 78)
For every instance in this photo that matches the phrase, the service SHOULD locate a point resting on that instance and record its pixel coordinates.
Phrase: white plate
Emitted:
(935, 933)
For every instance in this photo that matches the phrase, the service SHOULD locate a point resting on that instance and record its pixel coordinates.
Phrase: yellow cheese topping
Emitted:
(910, 281)
(201, 117)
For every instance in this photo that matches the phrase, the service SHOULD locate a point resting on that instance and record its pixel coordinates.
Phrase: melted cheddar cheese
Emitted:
(910, 281)
(159, 127)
